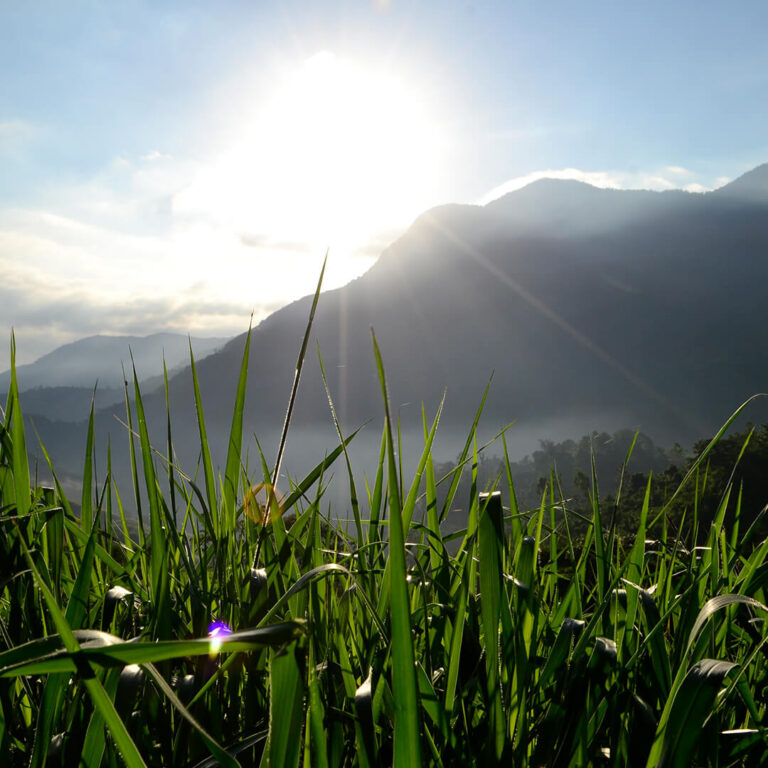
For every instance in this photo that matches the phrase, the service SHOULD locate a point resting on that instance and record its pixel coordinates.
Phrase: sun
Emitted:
(334, 155)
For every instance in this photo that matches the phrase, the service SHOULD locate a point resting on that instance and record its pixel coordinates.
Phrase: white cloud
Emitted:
(155, 155)
(115, 254)
(677, 170)
(604, 179)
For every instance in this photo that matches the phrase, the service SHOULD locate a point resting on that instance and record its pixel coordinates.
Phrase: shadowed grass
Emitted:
(513, 641)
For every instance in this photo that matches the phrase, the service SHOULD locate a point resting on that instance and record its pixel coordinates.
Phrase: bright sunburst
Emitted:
(336, 155)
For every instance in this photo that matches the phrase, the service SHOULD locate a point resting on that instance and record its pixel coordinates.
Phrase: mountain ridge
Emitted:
(612, 308)
(82, 362)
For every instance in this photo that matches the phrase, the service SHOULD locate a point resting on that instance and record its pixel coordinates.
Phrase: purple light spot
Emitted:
(219, 629)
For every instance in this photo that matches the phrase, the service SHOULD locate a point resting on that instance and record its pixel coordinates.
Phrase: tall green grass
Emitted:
(506, 643)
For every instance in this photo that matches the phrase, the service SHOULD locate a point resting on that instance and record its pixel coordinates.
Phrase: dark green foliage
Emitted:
(578, 631)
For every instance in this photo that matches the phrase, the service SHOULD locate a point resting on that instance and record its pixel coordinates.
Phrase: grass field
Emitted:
(222, 635)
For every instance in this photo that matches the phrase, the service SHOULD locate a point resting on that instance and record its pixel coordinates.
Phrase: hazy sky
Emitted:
(179, 165)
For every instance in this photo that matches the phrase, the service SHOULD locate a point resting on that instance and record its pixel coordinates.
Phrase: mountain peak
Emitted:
(751, 186)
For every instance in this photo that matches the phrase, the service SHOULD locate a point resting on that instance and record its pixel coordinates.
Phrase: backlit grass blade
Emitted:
(375, 499)
(464, 453)
(205, 453)
(87, 492)
(409, 502)
(352, 489)
(407, 747)
(322, 571)
(315, 717)
(104, 650)
(297, 373)
(705, 453)
(77, 606)
(636, 563)
(285, 709)
(169, 442)
(413, 492)
(19, 463)
(602, 564)
(232, 471)
(133, 461)
(95, 736)
(158, 549)
(456, 637)
(717, 603)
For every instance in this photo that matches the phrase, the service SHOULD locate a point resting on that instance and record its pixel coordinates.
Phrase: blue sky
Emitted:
(177, 166)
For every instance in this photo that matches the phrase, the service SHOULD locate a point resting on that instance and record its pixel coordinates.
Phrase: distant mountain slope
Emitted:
(68, 403)
(590, 306)
(647, 304)
(99, 358)
(751, 187)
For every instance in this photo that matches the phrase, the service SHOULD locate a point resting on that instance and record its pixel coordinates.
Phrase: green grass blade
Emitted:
(352, 489)
(693, 703)
(218, 752)
(158, 550)
(205, 453)
(232, 471)
(87, 492)
(99, 696)
(285, 709)
(297, 373)
(19, 463)
(407, 747)
(491, 544)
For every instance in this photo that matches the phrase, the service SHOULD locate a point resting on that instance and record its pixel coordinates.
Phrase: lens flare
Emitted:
(263, 503)
(217, 631)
